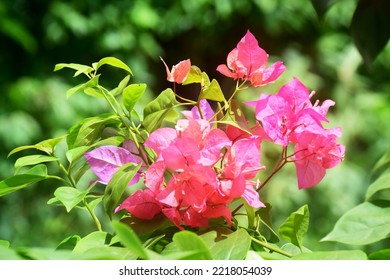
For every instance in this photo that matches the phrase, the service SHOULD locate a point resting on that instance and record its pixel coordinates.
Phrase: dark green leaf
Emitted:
(365, 224)
(332, 255)
(130, 240)
(296, 226)
(115, 62)
(322, 6)
(117, 186)
(131, 94)
(380, 255)
(68, 243)
(159, 110)
(370, 28)
(266, 230)
(144, 227)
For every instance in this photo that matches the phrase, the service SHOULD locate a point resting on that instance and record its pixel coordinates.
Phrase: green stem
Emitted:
(271, 248)
(95, 219)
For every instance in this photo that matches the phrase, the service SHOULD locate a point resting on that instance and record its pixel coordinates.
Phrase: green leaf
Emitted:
(265, 217)
(117, 186)
(370, 28)
(159, 110)
(96, 239)
(115, 62)
(4, 244)
(20, 181)
(233, 246)
(69, 196)
(78, 67)
(383, 254)
(195, 76)
(75, 153)
(131, 94)
(105, 253)
(187, 241)
(379, 189)
(296, 226)
(213, 92)
(94, 92)
(322, 6)
(88, 131)
(364, 224)
(332, 255)
(46, 146)
(119, 89)
(33, 160)
(69, 243)
(382, 164)
(81, 87)
(130, 240)
(144, 227)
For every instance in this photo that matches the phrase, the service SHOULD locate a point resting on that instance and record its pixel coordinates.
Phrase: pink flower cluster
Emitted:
(199, 169)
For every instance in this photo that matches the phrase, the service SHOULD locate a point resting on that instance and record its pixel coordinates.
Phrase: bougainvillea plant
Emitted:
(184, 171)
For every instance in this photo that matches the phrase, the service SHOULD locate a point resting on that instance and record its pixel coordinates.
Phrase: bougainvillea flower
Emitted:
(179, 72)
(106, 160)
(204, 106)
(315, 153)
(249, 62)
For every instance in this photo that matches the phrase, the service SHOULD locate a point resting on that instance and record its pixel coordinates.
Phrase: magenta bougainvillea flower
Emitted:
(179, 72)
(248, 62)
(193, 171)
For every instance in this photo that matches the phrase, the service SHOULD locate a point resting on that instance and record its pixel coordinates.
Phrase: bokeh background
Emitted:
(317, 45)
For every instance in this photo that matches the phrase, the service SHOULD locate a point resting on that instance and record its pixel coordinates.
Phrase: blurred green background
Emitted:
(320, 51)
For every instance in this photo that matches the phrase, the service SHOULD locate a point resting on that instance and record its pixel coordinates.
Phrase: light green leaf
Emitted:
(95, 239)
(20, 181)
(69, 197)
(159, 110)
(4, 244)
(364, 224)
(130, 240)
(117, 186)
(115, 62)
(81, 87)
(213, 92)
(33, 160)
(332, 255)
(187, 241)
(46, 146)
(105, 253)
(88, 131)
(382, 163)
(380, 188)
(94, 92)
(295, 226)
(78, 67)
(131, 94)
(233, 246)
(194, 76)
(76, 153)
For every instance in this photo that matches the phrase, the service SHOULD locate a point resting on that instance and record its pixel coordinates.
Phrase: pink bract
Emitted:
(248, 62)
(179, 72)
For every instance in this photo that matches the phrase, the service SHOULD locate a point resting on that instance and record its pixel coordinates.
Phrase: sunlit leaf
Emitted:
(78, 67)
(332, 255)
(213, 92)
(93, 240)
(195, 76)
(159, 110)
(233, 246)
(81, 87)
(295, 227)
(46, 146)
(115, 62)
(380, 188)
(131, 94)
(33, 160)
(186, 241)
(69, 196)
(364, 224)
(119, 89)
